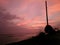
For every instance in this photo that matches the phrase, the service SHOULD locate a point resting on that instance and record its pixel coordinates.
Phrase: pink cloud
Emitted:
(33, 11)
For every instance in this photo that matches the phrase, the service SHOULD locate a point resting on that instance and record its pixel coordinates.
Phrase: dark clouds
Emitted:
(6, 24)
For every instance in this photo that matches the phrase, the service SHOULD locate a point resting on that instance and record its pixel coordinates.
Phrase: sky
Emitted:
(27, 16)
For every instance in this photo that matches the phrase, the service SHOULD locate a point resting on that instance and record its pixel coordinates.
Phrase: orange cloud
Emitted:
(54, 8)
(33, 23)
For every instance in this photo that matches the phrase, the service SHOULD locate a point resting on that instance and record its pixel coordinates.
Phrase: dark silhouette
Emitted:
(41, 39)
(51, 38)
(49, 29)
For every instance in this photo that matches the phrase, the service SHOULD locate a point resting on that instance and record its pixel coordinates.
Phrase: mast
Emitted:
(46, 12)
(48, 28)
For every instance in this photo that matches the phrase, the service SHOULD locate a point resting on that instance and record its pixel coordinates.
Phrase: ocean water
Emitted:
(9, 38)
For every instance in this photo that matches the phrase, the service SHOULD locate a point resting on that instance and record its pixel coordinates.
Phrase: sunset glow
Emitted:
(27, 17)
(32, 12)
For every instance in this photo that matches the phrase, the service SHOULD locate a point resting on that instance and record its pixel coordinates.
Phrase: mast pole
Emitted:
(46, 12)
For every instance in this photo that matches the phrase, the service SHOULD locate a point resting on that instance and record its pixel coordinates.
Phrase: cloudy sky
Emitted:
(25, 16)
